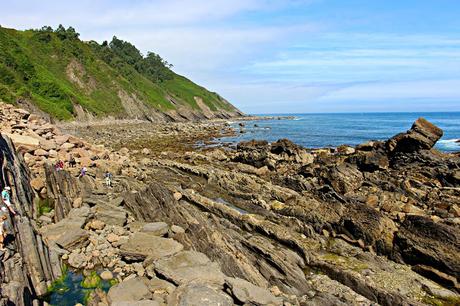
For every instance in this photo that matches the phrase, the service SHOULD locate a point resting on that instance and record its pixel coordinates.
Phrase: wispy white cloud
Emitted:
(282, 54)
(423, 89)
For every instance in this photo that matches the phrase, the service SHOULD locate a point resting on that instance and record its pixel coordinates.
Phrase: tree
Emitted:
(61, 32)
(126, 51)
(72, 34)
(156, 68)
(46, 29)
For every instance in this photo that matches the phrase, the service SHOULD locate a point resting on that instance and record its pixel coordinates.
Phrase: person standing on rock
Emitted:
(108, 179)
(83, 172)
(72, 161)
(6, 200)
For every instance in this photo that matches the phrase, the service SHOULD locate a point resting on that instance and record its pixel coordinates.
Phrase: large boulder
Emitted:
(431, 246)
(111, 215)
(199, 295)
(65, 227)
(247, 293)
(254, 153)
(345, 178)
(291, 151)
(75, 238)
(423, 135)
(24, 143)
(143, 245)
(137, 303)
(190, 266)
(77, 260)
(132, 290)
(156, 228)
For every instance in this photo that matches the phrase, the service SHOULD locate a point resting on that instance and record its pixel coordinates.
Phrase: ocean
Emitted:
(332, 130)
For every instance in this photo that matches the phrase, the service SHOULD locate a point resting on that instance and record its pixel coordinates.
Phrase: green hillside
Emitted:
(56, 71)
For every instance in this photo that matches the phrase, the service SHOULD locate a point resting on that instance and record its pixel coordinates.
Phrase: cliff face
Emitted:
(28, 265)
(55, 73)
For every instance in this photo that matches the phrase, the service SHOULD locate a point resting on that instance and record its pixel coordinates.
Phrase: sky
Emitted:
(284, 56)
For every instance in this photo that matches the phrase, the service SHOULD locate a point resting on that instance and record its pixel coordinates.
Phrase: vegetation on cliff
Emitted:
(56, 71)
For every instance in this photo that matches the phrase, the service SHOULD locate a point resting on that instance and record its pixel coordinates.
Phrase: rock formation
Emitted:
(259, 224)
(28, 265)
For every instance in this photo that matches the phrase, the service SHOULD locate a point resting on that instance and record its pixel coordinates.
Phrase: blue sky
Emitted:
(274, 56)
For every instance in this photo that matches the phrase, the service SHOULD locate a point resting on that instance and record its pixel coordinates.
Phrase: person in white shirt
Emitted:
(6, 200)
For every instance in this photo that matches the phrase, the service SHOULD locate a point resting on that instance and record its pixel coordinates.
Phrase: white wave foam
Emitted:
(457, 141)
(449, 143)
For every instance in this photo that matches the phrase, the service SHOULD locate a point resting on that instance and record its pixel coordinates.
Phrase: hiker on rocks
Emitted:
(83, 172)
(59, 165)
(108, 179)
(72, 161)
(6, 201)
(3, 230)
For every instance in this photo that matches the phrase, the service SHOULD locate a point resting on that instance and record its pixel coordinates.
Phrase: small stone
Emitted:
(106, 275)
(177, 195)
(120, 242)
(275, 291)
(77, 202)
(37, 183)
(145, 151)
(372, 200)
(156, 228)
(112, 237)
(411, 209)
(176, 229)
(41, 152)
(124, 151)
(455, 210)
(77, 260)
(97, 225)
(67, 146)
(277, 205)
(45, 219)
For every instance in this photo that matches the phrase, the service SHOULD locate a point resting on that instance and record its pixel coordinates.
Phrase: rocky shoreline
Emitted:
(261, 224)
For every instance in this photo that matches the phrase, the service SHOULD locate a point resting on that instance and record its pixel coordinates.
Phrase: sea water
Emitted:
(332, 130)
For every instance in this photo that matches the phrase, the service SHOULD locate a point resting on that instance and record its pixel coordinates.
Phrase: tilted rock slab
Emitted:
(33, 266)
(143, 245)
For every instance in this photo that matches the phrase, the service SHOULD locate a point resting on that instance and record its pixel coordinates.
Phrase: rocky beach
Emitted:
(259, 224)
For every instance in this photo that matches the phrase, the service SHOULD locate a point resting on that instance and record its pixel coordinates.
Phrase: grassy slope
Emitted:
(33, 66)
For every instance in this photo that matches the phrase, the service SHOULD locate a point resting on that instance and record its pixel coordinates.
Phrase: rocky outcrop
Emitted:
(335, 211)
(422, 136)
(263, 224)
(426, 244)
(28, 264)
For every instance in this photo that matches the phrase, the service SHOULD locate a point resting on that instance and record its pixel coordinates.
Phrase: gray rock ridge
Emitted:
(266, 255)
(28, 264)
(62, 188)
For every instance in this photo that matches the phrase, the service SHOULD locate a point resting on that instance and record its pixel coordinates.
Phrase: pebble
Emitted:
(106, 275)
